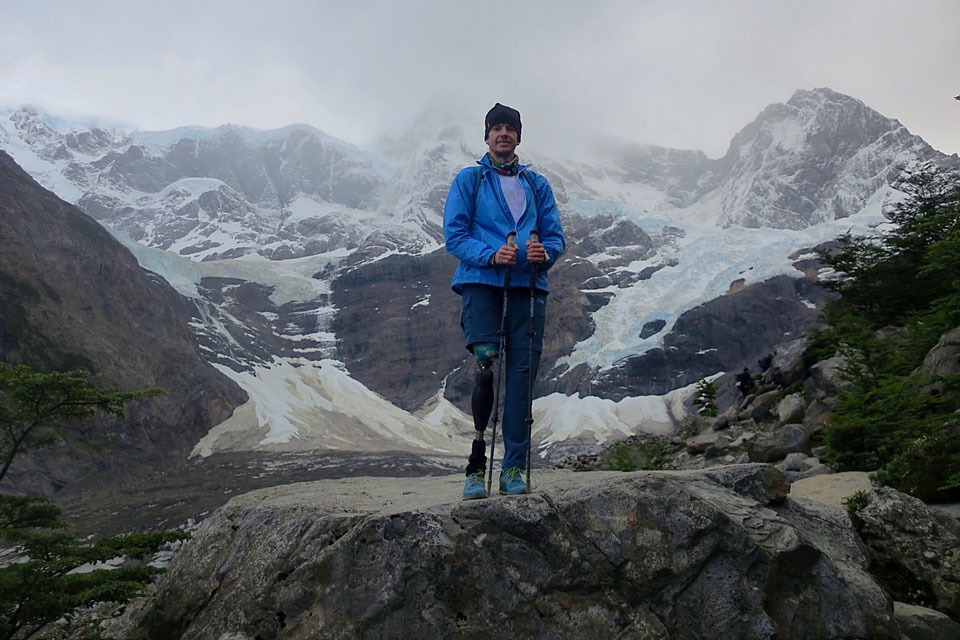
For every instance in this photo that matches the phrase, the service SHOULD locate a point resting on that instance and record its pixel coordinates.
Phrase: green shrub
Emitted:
(652, 456)
(659, 456)
(619, 457)
(705, 398)
(928, 468)
(794, 387)
(856, 501)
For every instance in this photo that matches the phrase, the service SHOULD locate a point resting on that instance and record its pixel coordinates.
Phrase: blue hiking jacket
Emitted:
(475, 226)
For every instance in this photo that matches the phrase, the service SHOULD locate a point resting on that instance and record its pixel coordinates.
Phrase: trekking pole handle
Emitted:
(511, 237)
(534, 237)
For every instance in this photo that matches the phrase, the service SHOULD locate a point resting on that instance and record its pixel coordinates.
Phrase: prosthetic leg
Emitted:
(482, 405)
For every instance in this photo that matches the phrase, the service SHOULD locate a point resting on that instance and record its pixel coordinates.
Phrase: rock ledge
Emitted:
(722, 553)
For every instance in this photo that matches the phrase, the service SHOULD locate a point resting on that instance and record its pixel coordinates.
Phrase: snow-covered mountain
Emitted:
(321, 284)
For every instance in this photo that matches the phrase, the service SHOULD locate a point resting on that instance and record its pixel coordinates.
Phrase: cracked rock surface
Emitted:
(722, 553)
(914, 549)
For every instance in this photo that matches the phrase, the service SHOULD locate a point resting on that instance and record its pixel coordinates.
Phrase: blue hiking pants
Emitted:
(480, 320)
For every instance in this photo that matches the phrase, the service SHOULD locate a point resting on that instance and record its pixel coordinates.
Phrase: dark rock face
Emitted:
(251, 329)
(73, 297)
(719, 335)
(652, 328)
(399, 326)
(138, 168)
(720, 554)
(227, 158)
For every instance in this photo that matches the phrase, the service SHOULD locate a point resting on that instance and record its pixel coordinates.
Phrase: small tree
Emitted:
(57, 572)
(705, 397)
(32, 403)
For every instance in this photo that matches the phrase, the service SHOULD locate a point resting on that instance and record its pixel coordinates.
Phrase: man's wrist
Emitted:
(492, 261)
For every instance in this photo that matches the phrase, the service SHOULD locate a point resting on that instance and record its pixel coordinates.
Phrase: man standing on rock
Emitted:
(502, 284)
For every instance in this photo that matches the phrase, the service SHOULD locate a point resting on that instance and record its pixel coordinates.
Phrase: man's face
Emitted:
(502, 140)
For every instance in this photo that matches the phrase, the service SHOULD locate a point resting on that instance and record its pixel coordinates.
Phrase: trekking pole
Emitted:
(531, 334)
(503, 354)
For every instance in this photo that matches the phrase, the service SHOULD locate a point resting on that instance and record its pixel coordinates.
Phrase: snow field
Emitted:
(309, 405)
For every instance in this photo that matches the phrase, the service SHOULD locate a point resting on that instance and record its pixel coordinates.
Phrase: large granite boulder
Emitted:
(826, 378)
(920, 623)
(790, 407)
(817, 413)
(788, 365)
(944, 358)
(702, 442)
(714, 554)
(783, 440)
(914, 549)
(768, 399)
(831, 489)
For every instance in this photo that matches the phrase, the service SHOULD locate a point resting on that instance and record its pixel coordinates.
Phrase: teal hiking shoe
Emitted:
(511, 482)
(474, 489)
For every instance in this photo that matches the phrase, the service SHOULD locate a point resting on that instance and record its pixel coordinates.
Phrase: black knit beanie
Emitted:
(501, 114)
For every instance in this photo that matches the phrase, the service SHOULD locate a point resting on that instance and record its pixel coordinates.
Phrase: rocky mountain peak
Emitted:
(25, 117)
(437, 135)
(818, 157)
(839, 124)
(821, 123)
(30, 126)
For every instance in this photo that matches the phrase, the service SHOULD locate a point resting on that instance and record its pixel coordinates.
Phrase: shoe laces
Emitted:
(515, 472)
(512, 474)
(475, 477)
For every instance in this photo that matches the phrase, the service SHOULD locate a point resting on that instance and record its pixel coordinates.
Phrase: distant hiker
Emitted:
(744, 382)
(486, 204)
(765, 362)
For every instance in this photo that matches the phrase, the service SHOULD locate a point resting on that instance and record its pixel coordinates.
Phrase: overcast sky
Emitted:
(673, 73)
